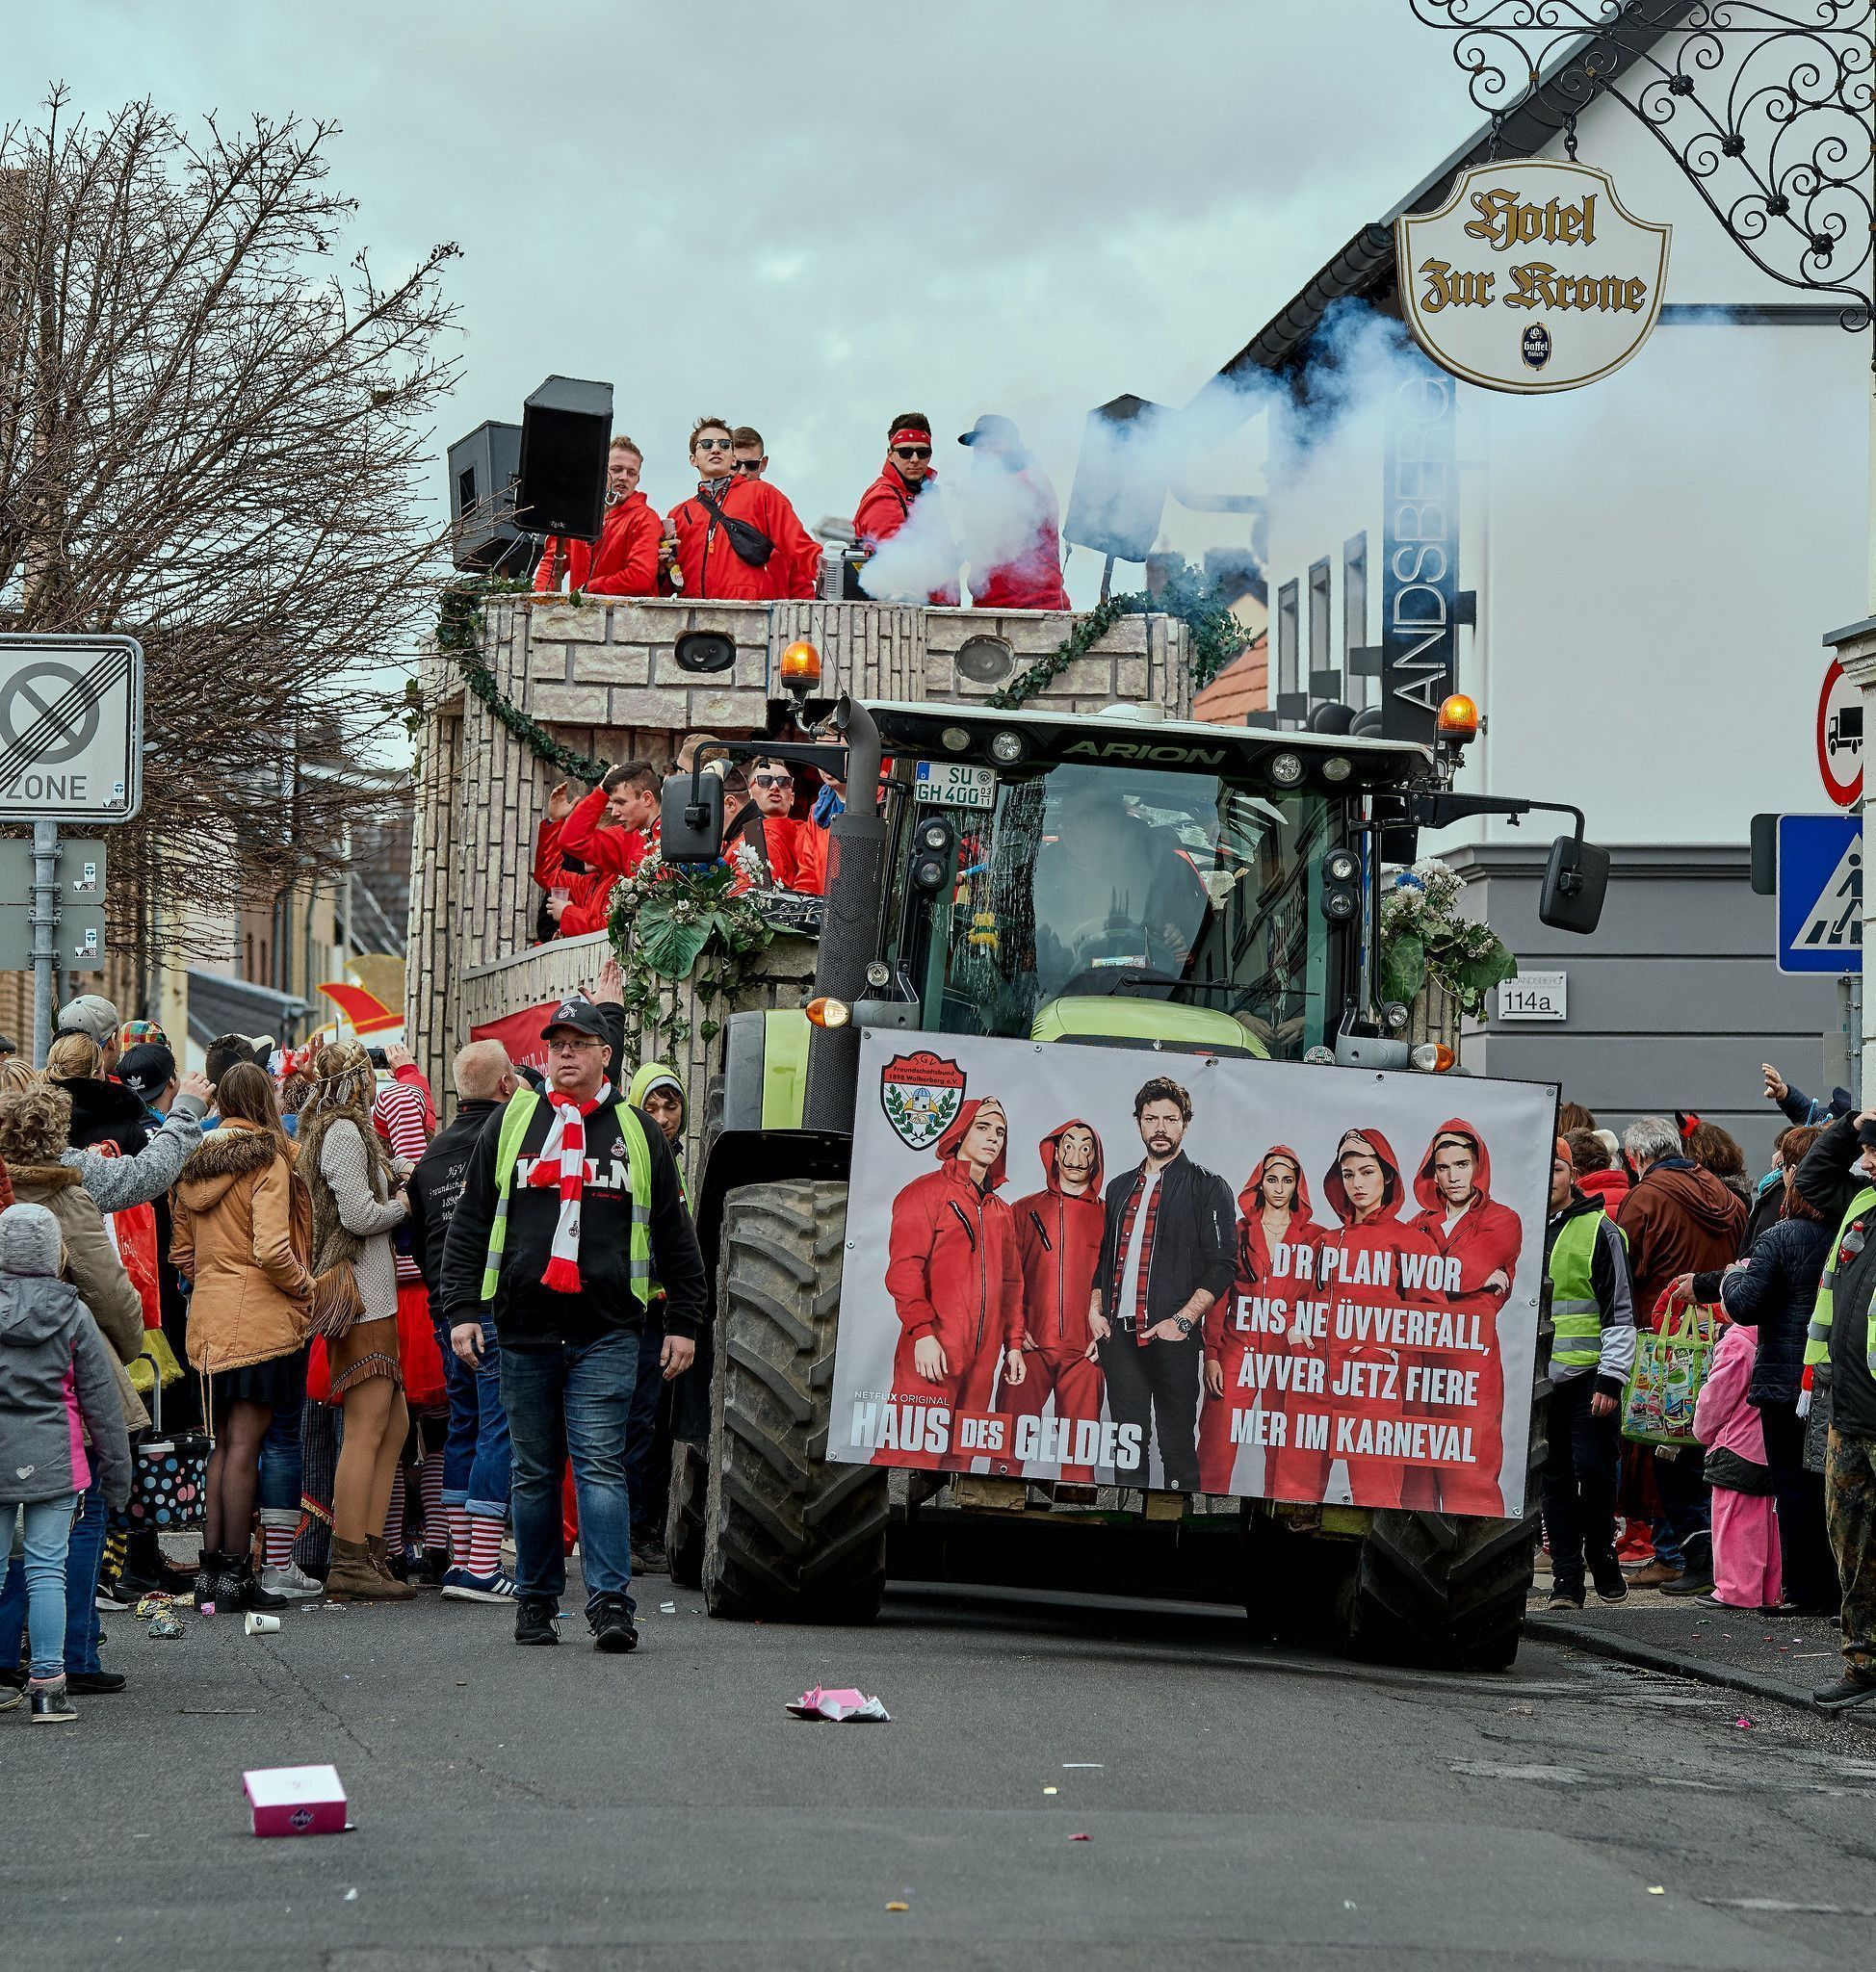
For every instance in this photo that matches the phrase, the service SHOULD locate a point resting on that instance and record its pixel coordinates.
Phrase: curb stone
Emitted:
(1650, 1657)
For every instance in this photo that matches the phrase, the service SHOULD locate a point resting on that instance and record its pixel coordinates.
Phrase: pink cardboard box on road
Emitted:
(296, 1801)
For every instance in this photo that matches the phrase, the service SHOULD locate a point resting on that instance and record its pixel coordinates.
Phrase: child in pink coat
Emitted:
(1747, 1573)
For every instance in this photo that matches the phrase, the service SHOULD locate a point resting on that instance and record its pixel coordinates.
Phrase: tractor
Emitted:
(997, 887)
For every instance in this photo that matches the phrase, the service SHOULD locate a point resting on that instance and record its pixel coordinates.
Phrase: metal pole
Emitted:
(1856, 1043)
(44, 921)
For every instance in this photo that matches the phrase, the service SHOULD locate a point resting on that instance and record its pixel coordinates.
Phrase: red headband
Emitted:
(909, 436)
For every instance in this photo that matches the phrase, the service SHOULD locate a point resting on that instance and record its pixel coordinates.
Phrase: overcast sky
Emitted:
(809, 217)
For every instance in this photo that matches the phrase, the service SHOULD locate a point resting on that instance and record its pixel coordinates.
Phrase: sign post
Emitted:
(72, 750)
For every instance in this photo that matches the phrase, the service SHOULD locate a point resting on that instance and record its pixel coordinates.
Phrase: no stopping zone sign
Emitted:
(71, 722)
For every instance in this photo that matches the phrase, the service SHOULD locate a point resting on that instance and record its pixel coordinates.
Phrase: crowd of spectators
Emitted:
(1773, 1505)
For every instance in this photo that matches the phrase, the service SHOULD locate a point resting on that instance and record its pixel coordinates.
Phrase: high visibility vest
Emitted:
(515, 1119)
(1844, 1248)
(1575, 1311)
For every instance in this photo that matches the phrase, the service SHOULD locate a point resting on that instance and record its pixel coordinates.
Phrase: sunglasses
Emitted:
(772, 780)
(911, 452)
(750, 466)
(714, 444)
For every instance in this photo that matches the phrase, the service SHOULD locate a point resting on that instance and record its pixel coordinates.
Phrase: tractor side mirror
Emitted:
(1576, 880)
(690, 819)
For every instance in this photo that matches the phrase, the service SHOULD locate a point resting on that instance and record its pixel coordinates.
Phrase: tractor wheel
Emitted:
(1436, 1590)
(684, 1520)
(787, 1536)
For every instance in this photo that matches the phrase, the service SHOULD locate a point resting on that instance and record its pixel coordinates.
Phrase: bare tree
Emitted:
(212, 436)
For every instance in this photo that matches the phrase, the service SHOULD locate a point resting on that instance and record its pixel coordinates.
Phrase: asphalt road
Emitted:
(563, 1812)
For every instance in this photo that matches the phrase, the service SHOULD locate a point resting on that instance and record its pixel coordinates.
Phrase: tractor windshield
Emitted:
(1105, 880)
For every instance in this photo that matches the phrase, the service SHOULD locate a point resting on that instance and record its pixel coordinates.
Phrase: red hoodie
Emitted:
(1256, 1265)
(712, 567)
(884, 507)
(953, 1268)
(1058, 1243)
(1486, 1238)
(624, 561)
(1032, 579)
(1606, 1188)
(608, 853)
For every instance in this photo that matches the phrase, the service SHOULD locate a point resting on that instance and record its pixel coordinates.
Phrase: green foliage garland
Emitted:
(459, 634)
(1423, 936)
(672, 921)
(1215, 635)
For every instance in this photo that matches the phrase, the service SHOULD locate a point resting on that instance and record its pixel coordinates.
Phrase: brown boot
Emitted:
(354, 1580)
(1655, 1575)
(379, 1550)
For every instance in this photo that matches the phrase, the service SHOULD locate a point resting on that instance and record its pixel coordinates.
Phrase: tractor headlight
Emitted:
(1007, 748)
(1285, 769)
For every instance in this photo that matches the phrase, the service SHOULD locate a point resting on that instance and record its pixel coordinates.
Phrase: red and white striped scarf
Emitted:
(563, 1161)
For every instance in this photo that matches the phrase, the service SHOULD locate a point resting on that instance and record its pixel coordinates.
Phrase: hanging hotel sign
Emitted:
(1531, 278)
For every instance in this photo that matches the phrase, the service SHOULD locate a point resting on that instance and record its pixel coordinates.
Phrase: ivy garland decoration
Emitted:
(677, 921)
(459, 634)
(1189, 594)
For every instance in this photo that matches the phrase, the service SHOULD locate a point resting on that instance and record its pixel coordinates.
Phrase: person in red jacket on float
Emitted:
(703, 562)
(1483, 1239)
(906, 476)
(1359, 1264)
(1058, 1242)
(1016, 506)
(956, 1281)
(1275, 1231)
(611, 830)
(624, 561)
(770, 821)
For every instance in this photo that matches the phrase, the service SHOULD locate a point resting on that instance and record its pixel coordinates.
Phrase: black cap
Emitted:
(147, 1068)
(581, 1015)
(991, 426)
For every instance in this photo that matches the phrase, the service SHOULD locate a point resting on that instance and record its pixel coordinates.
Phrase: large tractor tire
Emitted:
(1436, 1590)
(684, 1519)
(787, 1536)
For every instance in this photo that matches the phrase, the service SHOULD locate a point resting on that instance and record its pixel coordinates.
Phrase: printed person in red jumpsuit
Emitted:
(955, 1280)
(1470, 1227)
(1058, 1241)
(1363, 1187)
(1274, 1213)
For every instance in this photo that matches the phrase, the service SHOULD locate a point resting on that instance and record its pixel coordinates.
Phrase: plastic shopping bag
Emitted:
(1658, 1408)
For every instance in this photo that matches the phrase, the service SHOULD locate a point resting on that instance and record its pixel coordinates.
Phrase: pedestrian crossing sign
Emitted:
(1820, 892)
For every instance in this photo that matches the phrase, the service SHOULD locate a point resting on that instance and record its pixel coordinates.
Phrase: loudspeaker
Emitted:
(483, 467)
(565, 427)
(1121, 479)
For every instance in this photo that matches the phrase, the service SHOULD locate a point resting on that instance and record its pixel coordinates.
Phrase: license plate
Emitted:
(948, 784)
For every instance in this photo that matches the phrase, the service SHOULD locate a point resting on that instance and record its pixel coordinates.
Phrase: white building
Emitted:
(1650, 564)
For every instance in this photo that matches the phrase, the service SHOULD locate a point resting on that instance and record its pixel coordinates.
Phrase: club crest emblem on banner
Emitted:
(921, 1095)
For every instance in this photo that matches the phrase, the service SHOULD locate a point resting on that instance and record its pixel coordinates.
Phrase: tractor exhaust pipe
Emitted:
(849, 925)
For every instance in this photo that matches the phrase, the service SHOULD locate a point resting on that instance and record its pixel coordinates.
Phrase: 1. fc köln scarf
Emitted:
(563, 1161)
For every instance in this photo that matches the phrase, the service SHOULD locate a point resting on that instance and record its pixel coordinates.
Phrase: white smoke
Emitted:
(975, 518)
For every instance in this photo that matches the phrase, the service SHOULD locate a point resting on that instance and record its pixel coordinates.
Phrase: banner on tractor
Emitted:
(1230, 1277)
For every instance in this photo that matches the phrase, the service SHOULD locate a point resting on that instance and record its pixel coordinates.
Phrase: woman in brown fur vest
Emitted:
(242, 1234)
(356, 1202)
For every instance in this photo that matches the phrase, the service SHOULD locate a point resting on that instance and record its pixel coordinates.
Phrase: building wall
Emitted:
(1673, 1002)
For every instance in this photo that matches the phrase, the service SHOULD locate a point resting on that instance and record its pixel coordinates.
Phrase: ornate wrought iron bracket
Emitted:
(1765, 110)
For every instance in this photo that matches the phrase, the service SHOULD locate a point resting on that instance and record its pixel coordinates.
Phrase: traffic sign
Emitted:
(79, 871)
(1821, 894)
(71, 728)
(1839, 738)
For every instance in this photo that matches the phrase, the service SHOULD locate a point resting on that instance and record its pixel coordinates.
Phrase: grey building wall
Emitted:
(1673, 1002)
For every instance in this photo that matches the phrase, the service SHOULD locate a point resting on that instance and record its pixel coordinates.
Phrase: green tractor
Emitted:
(1105, 881)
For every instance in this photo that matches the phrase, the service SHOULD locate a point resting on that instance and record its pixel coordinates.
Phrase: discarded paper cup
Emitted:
(262, 1625)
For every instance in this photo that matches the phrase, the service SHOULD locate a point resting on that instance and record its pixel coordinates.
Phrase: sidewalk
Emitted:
(1777, 1658)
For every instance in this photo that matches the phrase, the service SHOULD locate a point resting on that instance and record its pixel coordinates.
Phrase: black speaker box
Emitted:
(483, 467)
(565, 427)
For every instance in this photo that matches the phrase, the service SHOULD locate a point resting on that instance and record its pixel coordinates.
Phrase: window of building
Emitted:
(1288, 621)
(1318, 627)
(1356, 690)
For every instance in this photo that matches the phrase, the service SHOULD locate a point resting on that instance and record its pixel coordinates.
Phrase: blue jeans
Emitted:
(571, 1399)
(642, 1427)
(84, 1554)
(280, 1462)
(48, 1530)
(477, 1458)
(1687, 1516)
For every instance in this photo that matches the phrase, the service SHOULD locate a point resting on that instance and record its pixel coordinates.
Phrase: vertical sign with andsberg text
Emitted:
(1420, 550)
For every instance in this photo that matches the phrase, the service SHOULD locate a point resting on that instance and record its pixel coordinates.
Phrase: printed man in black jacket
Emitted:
(570, 1207)
(476, 1454)
(1167, 1254)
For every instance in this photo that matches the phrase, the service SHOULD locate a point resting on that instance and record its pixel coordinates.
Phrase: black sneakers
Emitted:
(1849, 1690)
(610, 1622)
(50, 1704)
(534, 1620)
(96, 1684)
(1606, 1571)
